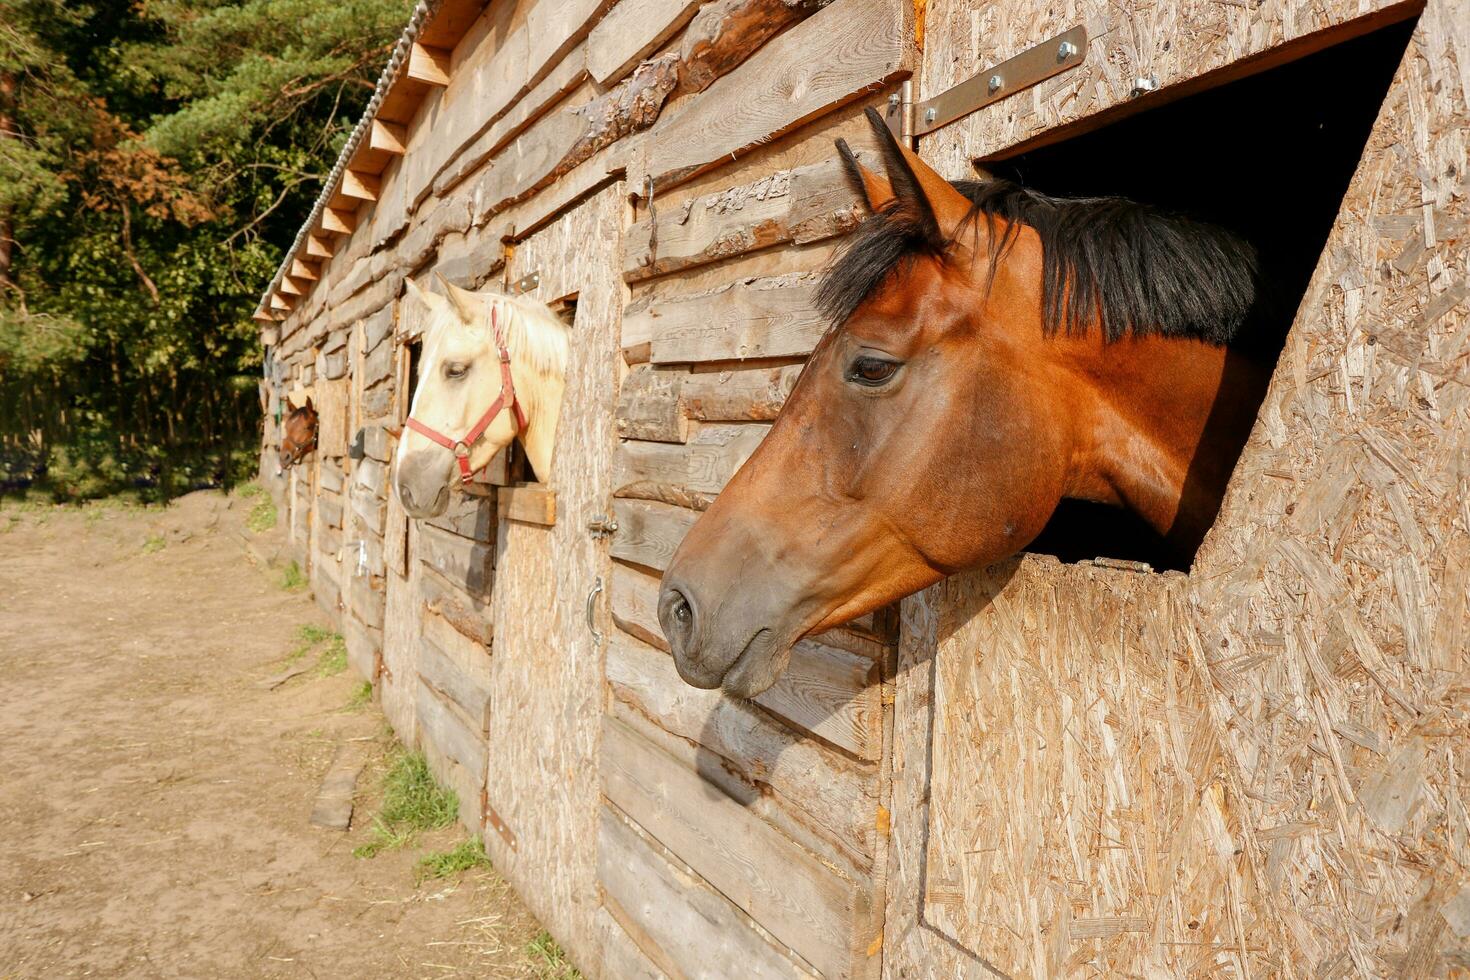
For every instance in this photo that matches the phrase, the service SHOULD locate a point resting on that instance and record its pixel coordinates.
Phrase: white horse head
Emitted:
(460, 378)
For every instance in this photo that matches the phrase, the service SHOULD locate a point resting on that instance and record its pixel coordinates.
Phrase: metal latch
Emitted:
(526, 283)
(1063, 52)
(603, 526)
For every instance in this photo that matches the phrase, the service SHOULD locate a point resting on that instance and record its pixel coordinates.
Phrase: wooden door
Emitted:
(541, 791)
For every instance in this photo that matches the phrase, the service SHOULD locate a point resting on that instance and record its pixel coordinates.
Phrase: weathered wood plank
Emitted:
(649, 531)
(829, 692)
(696, 929)
(785, 889)
(771, 317)
(364, 648)
(860, 44)
(801, 205)
(332, 809)
(822, 787)
(527, 503)
(466, 563)
(456, 755)
(622, 957)
(464, 691)
(468, 614)
(703, 465)
(649, 406)
(631, 31)
(738, 396)
(468, 516)
(726, 32)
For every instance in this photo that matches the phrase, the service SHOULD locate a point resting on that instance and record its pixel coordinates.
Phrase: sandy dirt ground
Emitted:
(154, 797)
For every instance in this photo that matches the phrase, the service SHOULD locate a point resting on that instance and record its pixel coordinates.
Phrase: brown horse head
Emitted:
(992, 352)
(298, 433)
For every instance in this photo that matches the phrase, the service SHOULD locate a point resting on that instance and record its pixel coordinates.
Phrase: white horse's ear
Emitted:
(461, 300)
(415, 291)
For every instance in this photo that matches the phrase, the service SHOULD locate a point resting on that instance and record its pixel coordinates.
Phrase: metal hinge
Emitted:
(603, 526)
(526, 283)
(899, 114)
(1061, 53)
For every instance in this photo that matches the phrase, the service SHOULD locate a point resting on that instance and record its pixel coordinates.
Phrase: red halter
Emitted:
(507, 397)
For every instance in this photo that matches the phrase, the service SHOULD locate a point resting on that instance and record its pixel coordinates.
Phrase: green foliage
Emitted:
(549, 960)
(412, 802)
(292, 578)
(158, 159)
(441, 864)
(262, 516)
(362, 696)
(333, 659)
(155, 543)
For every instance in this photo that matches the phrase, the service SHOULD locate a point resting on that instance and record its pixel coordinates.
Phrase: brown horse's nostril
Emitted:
(676, 616)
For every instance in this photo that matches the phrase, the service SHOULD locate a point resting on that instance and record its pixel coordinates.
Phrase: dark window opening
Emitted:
(1268, 157)
(415, 354)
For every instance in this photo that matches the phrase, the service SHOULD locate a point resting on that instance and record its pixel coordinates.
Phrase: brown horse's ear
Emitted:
(931, 202)
(308, 405)
(876, 190)
(289, 407)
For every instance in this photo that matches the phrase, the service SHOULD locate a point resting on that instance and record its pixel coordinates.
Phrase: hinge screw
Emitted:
(995, 83)
(1066, 50)
(930, 115)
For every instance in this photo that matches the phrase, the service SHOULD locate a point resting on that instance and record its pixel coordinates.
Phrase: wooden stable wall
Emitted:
(1252, 769)
(655, 829)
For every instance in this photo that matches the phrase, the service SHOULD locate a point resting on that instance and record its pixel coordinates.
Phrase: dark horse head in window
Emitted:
(992, 352)
(298, 433)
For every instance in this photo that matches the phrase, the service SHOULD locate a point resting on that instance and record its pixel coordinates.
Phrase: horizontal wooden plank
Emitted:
(776, 767)
(649, 406)
(631, 31)
(755, 395)
(467, 614)
(369, 508)
(696, 930)
(449, 732)
(366, 596)
(469, 517)
(831, 693)
(803, 204)
(859, 44)
(464, 562)
(465, 693)
(649, 532)
(785, 889)
(746, 319)
(364, 647)
(528, 503)
(704, 464)
(622, 957)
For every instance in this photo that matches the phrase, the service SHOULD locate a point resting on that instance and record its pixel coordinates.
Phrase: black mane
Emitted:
(1136, 269)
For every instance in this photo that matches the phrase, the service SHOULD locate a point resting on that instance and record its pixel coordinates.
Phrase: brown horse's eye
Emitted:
(456, 370)
(872, 371)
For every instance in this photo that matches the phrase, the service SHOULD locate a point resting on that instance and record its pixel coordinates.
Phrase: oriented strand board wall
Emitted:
(1256, 769)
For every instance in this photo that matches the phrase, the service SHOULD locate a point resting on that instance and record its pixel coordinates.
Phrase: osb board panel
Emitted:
(546, 672)
(1173, 40)
(331, 404)
(1257, 769)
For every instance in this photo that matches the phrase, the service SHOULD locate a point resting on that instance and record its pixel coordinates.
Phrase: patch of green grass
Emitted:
(293, 579)
(412, 801)
(333, 659)
(154, 543)
(251, 489)
(262, 516)
(549, 960)
(441, 864)
(362, 696)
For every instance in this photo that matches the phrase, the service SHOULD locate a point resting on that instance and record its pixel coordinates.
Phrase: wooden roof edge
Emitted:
(420, 20)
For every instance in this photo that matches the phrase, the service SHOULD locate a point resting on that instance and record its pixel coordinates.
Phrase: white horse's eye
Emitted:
(456, 370)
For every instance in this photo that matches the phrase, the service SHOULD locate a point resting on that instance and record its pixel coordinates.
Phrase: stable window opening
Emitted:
(1268, 157)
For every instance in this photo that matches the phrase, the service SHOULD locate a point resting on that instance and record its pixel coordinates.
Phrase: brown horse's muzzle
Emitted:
(726, 608)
